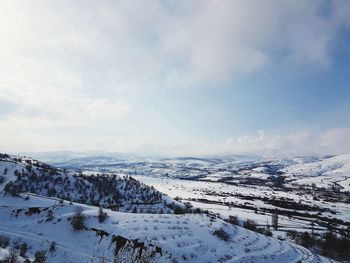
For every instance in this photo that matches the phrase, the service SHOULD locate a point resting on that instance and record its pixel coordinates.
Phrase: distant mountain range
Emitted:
(328, 172)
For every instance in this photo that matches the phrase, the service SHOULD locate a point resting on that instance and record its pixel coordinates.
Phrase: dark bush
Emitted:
(4, 241)
(233, 220)
(220, 233)
(335, 247)
(12, 189)
(23, 248)
(53, 247)
(305, 239)
(78, 219)
(250, 224)
(50, 215)
(40, 256)
(102, 216)
(264, 231)
(179, 210)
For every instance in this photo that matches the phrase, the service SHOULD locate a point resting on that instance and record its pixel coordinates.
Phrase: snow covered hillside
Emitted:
(44, 224)
(115, 192)
(332, 172)
(49, 214)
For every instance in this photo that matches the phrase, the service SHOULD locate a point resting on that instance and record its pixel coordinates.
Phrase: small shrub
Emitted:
(233, 220)
(250, 224)
(11, 189)
(78, 220)
(292, 234)
(188, 206)
(102, 216)
(4, 241)
(264, 231)
(40, 256)
(53, 247)
(178, 210)
(23, 248)
(50, 216)
(220, 233)
(197, 210)
(305, 239)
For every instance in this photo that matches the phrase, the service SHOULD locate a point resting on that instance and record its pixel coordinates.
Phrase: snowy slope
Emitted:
(145, 223)
(326, 172)
(179, 238)
(116, 192)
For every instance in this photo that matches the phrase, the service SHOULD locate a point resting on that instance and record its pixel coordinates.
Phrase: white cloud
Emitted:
(49, 95)
(179, 42)
(79, 63)
(306, 142)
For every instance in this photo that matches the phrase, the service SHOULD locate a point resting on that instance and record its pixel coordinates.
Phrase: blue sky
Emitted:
(175, 77)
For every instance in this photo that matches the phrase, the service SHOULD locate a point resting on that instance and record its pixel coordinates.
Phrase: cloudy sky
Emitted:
(175, 77)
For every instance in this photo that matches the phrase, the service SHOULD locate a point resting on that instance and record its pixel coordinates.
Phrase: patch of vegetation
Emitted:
(109, 191)
(78, 220)
(102, 216)
(222, 234)
(40, 256)
(23, 248)
(4, 241)
(329, 244)
(250, 224)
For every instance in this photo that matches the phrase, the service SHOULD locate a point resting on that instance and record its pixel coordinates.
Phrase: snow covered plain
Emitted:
(255, 202)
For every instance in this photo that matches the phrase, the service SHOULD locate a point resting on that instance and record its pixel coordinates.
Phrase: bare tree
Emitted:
(275, 220)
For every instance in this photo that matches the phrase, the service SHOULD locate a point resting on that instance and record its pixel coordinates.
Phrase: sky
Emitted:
(175, 77)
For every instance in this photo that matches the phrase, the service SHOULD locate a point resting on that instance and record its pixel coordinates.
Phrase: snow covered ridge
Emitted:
(326, 172)
(44, 227)
(123, 193)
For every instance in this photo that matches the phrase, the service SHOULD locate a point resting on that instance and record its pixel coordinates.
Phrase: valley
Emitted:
(308, 193)
(170, 210)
